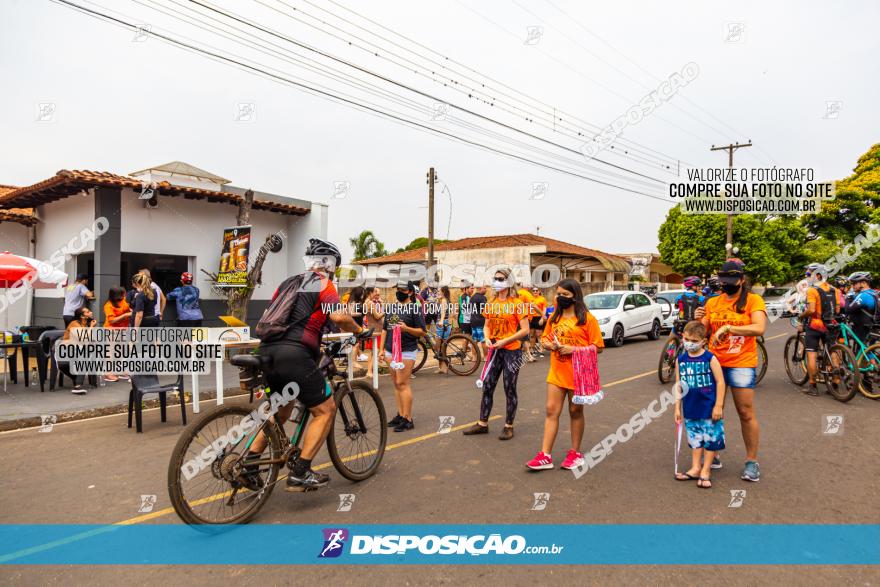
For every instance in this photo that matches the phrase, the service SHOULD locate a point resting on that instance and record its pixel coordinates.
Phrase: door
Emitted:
(630, 319)
(646, 313)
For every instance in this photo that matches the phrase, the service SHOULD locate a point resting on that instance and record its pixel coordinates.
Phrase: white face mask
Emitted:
(692, 347)
(497, 286)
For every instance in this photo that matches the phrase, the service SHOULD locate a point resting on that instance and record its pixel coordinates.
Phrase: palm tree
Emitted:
(367, 246)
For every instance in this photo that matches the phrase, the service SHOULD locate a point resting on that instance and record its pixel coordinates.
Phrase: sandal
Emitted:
(704, 483)
(685, 477)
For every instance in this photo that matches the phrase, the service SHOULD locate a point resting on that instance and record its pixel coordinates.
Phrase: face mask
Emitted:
(564, 302)
(499, 285)
(402, 296)
(692, 347)
(729, 288)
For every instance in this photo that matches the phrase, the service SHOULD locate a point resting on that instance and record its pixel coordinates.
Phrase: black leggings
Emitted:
(509, 362)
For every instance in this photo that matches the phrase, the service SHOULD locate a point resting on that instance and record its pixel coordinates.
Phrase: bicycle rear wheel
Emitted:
(462, 354)
(869, 370)
(422, 351)
(204, 475)
(666, 367)
(356, 442)
(795, 359)
(844, 369)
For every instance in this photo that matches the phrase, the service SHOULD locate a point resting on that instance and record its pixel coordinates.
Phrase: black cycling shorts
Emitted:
(812, 338)
(293, 362)
(535, 323)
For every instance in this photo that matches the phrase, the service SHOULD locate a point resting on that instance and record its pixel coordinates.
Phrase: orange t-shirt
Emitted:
(502, 320)
(540, 304)
(735, 351)
(111, 311)
(567, 332)
(528, 301)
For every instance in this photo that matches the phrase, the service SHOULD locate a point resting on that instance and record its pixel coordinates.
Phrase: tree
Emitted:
(418, 243)
(367, 246)
(693, 244)
(238, 298)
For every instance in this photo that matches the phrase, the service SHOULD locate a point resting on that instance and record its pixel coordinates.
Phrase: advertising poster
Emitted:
(234, 257)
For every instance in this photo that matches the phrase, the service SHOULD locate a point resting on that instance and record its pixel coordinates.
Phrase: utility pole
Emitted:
(431, 177)
(730, 149)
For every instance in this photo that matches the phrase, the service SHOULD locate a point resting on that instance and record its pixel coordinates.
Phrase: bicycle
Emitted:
(218, 443)
(673, 348)
(867, 361)
(833, 362)
(460, 353)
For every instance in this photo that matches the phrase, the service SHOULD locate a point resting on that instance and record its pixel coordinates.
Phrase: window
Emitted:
(630, 301)
(642, 300)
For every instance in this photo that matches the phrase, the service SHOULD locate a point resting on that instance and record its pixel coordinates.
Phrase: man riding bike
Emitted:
(686, 305)
(712, 289)
(862, 305)
(820, 315)
(295, 359)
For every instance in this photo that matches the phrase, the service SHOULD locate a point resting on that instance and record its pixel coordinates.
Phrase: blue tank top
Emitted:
(696, 372)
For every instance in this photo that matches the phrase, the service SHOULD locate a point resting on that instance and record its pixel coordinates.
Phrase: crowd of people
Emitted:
(142, 306)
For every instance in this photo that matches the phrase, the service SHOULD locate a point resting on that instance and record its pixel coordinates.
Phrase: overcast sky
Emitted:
(124, 102)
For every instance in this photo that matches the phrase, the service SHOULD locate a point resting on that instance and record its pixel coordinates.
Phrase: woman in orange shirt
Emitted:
(507, 324)
(117, 314)
(570, 326)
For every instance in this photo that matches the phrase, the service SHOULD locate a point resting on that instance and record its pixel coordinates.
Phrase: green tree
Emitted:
(418, 243)
(693, 244)
(367, 246)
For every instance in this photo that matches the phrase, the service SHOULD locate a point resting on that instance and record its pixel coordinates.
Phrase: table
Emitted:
(254, 343)
(12, 360)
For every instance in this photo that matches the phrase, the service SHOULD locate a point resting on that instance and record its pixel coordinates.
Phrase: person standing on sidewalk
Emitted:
(408, 316)
(571, 325)
(733, 321)
(76, 296)
(144, 307)
(186, 297)
(464, 307)
(159, 297)
(507, 324)
(117, 314)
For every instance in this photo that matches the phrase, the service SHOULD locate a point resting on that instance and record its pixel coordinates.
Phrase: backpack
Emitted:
(689, 305)
(275, 321)
(828, 307)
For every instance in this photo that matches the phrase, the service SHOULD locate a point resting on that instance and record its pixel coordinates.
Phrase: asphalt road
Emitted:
(94, 472)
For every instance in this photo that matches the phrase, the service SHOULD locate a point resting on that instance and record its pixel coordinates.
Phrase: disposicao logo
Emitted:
(334, 542)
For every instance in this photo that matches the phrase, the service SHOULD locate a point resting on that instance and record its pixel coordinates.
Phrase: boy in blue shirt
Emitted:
(698, 374)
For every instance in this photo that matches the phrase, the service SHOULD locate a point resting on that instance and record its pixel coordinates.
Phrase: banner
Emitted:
(234, 257)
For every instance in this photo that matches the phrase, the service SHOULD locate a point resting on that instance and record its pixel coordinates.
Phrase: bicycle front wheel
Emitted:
(205, 480)
(462, 354)
(795, 359)
(869, 370)
(666, 367)
(762, 362)
(356, 442)
(842, 376)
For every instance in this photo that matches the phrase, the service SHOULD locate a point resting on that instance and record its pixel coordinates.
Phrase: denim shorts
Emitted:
(477, 333)
(406, 355)
(742, 377)
(444, 331)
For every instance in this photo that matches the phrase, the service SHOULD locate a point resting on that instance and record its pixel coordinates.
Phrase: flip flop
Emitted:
(702, 481)
(685, 477)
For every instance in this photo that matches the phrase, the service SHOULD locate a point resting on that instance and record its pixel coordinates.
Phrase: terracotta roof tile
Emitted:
(66, 183)
(21, 215)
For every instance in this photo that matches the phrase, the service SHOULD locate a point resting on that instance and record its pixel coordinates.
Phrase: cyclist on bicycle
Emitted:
(712, 289)
(842, 284)
(820, 316)
(295, 359)
(862, 305)
(686, 305)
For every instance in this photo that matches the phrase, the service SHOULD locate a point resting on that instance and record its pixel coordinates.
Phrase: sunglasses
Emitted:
(500, 279)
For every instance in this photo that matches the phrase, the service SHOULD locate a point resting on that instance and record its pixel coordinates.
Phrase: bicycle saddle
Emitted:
(256, 361)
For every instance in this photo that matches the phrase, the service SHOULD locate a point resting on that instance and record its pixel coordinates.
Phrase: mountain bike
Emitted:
(206, 476)
(867, 359)
(460, 353)
(836, 364)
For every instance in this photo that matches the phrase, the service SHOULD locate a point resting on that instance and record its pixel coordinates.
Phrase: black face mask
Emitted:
(564, 302)
(730, 288)
(402, 296)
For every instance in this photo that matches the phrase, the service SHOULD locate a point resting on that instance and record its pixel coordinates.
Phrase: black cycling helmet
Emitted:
(318, 248)
(860, 276)
(713, 283)
(841, 281)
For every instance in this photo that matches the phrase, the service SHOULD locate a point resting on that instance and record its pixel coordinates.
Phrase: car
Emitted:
(666, 299)
(774, 299)
(623, 313)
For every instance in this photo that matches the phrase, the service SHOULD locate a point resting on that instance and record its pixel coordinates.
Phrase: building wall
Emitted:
(14, 238)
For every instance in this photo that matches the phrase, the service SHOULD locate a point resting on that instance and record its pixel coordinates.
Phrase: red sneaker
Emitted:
(541, 461)
(573, 460)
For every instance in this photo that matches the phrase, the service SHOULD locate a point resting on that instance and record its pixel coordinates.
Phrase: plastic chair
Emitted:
(142, 385)
(45, 356)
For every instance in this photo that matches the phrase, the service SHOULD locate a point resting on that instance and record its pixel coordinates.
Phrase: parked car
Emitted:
(622, 314)
(774, 299)
(666, 299)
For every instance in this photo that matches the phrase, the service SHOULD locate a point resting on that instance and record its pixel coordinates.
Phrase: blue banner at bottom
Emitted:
(599, 544)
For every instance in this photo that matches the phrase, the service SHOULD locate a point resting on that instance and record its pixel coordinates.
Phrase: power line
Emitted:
(306, 87)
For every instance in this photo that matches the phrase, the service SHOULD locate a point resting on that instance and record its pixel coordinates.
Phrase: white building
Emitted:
(179, 229)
